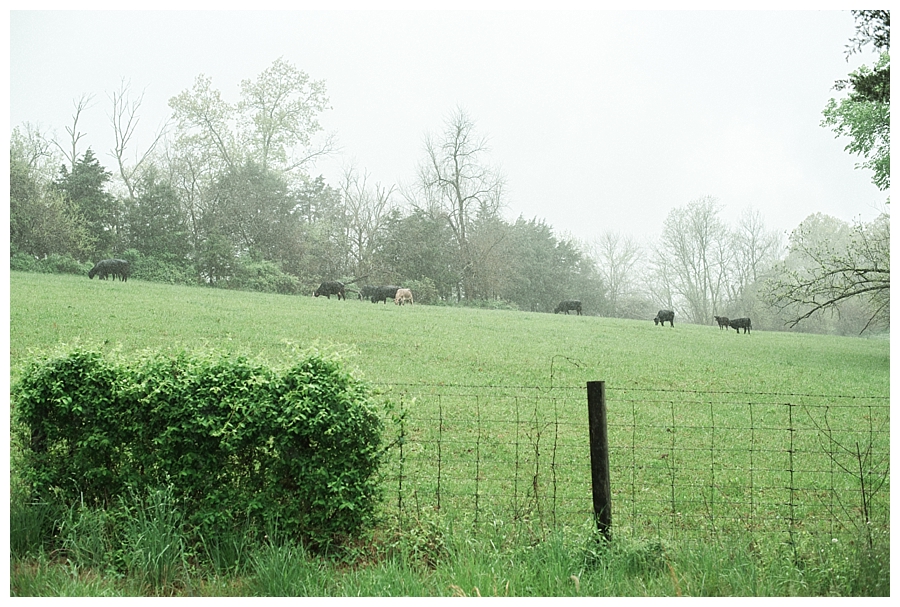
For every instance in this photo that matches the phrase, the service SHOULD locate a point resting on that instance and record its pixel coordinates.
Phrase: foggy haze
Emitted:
(599, 120)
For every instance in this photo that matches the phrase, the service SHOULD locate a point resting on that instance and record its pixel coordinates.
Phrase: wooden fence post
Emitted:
(600, 485)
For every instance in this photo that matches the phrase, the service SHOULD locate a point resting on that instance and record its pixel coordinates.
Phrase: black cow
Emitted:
(329, 288)
(384, 293)
(117, 268)
(366, 292)
(122, 269)
(100, 270)
(722, 320)
(569, 304)
(740, 323)
(664, 316)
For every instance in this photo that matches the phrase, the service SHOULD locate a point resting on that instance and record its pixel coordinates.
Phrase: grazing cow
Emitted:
(121, 268)
(740, 323)
(117, 268)
(722, 320)
(330, 288)
(569, 304)
(366, 291)
(382, 294)
(664, 316)
(99, 270)
(403, 295)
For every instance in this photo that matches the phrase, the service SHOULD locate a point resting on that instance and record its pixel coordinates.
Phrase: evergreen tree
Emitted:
(84, 187)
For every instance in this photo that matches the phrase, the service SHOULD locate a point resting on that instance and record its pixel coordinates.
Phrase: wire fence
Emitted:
(681, 462)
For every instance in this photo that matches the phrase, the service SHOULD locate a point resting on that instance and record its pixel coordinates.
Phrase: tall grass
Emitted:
(138, 549)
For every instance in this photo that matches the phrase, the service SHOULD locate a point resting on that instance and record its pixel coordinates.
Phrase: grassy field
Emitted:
(700, 380)
(434, 345)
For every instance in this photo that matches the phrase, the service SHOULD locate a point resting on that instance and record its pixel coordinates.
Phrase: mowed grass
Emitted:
(421, 344)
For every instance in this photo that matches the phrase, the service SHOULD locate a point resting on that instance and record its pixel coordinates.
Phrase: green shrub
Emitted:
(51, 264)
(153, 269)
(236, 441)
(263, 276)
(424, 291)
(23, 262)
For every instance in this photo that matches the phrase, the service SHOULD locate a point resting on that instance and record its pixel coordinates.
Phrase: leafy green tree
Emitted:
(865, 114)
(494, 251)
(257, 209)
(834, 272)
(279, 112)
(545, 270)
(322, 250)
(865, 117)
(872, 27)
(85, 187)
(272, 125)
(204, 126)
(156, 225)
(421, 247)
(42, 221)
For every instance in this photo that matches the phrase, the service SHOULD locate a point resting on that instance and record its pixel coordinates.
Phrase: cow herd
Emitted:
(372, 293)
(119, 268)
(735, 323)
(668, 316)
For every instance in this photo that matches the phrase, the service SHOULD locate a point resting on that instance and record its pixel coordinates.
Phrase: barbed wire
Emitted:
(581, 388)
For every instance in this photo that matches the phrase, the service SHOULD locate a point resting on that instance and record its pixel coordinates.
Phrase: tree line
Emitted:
(225, 196)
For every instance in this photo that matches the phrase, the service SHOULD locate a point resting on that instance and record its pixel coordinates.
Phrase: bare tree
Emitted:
(81, 104)
(755, 251)
(695, 253)
(618, 257)
(659, 277)
(124, 118)
(454, 180)
(367, 211)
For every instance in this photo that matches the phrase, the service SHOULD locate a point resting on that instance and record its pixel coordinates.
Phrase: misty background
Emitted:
(591, 135)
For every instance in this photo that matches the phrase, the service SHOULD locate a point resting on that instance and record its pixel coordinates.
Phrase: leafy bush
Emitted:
(153, 269)
(23, 262)
(237, 441)
(51, 264)
(263, 276)
(424, 291)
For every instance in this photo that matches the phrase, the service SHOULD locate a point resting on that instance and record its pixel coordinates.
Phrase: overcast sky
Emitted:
(599, 120)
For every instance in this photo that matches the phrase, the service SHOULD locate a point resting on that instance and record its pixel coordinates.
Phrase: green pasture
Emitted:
(690, 407)
(434, 344)
(749, 439)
